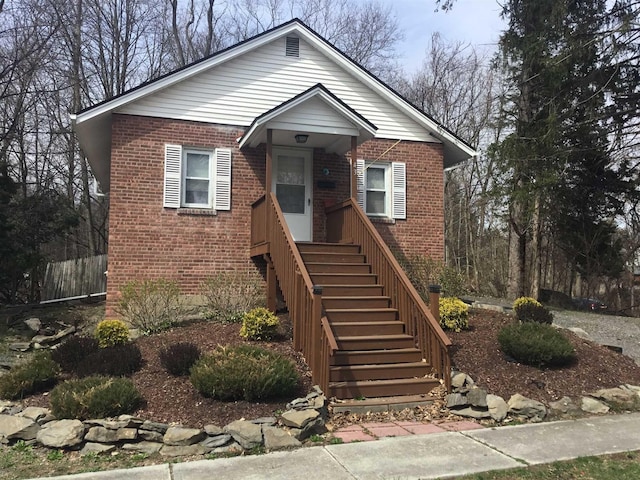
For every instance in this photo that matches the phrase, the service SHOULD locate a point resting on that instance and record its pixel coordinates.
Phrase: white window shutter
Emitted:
(172, 175)
(399, 190)
(222, 200)
(360, 173)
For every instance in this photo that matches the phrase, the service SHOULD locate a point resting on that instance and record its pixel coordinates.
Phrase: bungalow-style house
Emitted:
(282, 156)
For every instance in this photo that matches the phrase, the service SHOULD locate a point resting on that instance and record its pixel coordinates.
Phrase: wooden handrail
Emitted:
(333, 344)
(347, 222)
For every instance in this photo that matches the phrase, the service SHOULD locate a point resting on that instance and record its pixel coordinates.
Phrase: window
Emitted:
(382, 189)
(195, 178)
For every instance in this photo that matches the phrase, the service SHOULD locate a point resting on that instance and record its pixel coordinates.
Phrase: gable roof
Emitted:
(93, 124)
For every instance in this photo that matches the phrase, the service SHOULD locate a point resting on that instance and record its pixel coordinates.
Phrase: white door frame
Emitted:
(300, 224)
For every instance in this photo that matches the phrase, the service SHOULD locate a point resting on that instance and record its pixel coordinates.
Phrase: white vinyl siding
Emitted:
(197, 178)
(236, 92)
(381, 189)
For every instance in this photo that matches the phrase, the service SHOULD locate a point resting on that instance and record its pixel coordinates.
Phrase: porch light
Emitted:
(302, 138)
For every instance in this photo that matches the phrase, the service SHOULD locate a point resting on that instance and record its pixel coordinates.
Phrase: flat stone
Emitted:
(460, 380)
(33, 323)
(265, 421)
(101, 435)
(564, 406)
(217, 441)
(477, 397)
(525, 407)
(49, 339)
(578, 331)
(5, 406)
(180, 436)
(181, 450)
(150, 436)
(456, 400)
(617, 396)
(143, 447)
(131, 421)
(278, 439)
(316, 427)
(473, 412)
(98, 448)
(61, 433)
(127, 434)
(213, 430)
(247, 434)
(298, 418)
(154, 426)
(591, 405)
(498, 408)
(34, 413)
(233, 447)
(18, 428)
(20, 346)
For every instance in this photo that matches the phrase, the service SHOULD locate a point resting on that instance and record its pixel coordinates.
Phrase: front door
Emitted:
(292, 184)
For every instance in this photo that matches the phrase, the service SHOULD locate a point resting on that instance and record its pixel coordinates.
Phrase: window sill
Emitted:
(384, 220)
(202, 212)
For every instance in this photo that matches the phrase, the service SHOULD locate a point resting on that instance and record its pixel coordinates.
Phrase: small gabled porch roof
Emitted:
(328, 122)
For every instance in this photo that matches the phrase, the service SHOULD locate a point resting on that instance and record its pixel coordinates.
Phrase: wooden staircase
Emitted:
(376, 357)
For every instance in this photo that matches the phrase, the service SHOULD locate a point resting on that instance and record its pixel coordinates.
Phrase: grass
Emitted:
(622, 466)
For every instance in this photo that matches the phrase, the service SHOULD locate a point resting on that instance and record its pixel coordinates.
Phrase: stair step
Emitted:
(352, 329)
(332, 257)
(355, 302)
(344, 278)
(368, 357)
(391, 371)
(361, 314)
(382, 388)
(361, 290)
(338, 267)
(305, 247)
(381, 404)
(375, 342)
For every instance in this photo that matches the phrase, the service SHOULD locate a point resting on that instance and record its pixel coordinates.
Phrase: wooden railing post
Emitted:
(434, 301)
(316, 329)
(271, 285)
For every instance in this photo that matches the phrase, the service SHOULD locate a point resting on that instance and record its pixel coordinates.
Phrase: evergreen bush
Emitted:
(454, 314)
(529, 312)
(244, 373)
(178, 358)
(94, 397)
(73, 352)
(116, 361)
(536, 344)
(110, 333)
(36, 375)
(259, 324)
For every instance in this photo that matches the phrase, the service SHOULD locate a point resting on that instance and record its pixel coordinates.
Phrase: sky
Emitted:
(474, 21)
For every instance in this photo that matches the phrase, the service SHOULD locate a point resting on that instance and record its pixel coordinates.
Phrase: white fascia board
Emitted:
(184, 74)
(387, 93)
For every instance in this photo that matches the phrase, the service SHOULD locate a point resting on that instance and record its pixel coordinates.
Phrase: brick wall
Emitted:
(149, 241)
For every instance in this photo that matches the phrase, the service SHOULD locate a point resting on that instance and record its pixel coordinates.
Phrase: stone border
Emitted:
(34, 425)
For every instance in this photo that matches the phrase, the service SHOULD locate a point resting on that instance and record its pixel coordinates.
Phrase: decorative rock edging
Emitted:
(468, 400)
(304, 417)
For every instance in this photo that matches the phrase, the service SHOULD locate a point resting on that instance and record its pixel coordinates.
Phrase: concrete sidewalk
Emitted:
(437, 455)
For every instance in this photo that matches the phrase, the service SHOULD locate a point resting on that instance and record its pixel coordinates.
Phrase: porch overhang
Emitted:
(317, 113)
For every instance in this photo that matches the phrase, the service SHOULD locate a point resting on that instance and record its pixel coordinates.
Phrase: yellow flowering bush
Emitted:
(259, 324)
(454, 314)
(110, 333)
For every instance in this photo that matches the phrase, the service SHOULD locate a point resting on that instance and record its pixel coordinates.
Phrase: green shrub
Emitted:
(94, 397)
(151, 305)
(113, 361)
(73, 352)
(424, 271)
(36, 375)
(110, 333)
(244, 373)
(259, 324)
(178, 358)
(530, 312)
(230, 294)
(536, 344)
(454, 314)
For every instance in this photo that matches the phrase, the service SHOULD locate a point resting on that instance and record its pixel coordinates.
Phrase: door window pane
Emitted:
(290, 170)
(290, 198)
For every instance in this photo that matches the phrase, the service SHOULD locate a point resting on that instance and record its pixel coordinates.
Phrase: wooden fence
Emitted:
(81, 277)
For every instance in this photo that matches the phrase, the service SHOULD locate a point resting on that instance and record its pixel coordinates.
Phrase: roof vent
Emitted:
(293, 47)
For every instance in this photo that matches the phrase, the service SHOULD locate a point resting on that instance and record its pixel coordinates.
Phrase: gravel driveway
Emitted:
(605, 329)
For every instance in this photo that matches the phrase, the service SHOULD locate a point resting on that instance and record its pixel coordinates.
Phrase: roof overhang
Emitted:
(299, 115)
